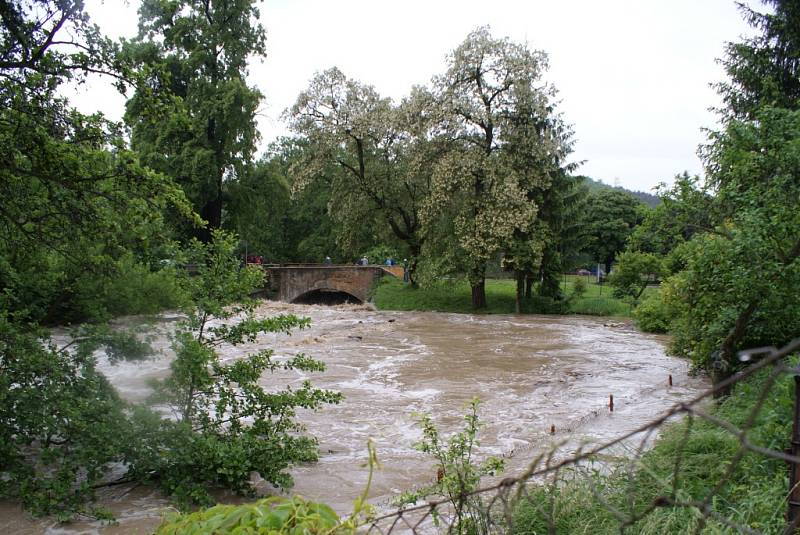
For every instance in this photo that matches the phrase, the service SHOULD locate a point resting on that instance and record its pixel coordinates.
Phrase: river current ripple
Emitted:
(530, 373)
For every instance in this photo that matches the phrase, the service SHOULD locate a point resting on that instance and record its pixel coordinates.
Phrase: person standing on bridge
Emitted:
(364, 261)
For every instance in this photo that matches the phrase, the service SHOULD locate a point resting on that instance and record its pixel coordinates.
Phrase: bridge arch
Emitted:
(326, 296)
(293, 283)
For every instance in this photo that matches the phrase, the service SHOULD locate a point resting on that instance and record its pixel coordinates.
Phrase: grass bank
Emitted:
(456, 296)
(753, 494)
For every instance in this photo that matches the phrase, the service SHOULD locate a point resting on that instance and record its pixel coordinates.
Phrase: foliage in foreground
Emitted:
(228, 423)
(458, 475)
(273, 516)
(61, 422)
(64, 425)
(276, 515)
(754, 495)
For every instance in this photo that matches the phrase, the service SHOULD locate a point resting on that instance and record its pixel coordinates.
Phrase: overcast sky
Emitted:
(633, 76)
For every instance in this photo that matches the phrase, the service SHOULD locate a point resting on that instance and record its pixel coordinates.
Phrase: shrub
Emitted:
(632, 273)
(579, 287)
(127, 287)
(228, 423)
(459, 475)
(653, 314)
(276, 515)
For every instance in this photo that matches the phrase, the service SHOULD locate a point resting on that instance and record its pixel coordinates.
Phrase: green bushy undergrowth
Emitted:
(652, 314)
(274, 516)
(126, 287)
(63, 426)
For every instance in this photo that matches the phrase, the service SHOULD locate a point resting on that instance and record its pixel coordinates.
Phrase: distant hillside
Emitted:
(647, 198)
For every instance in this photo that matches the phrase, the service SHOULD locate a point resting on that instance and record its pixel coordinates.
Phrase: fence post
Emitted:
(794, 468)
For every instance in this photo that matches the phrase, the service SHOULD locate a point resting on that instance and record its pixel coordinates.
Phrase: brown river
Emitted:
(530, 372)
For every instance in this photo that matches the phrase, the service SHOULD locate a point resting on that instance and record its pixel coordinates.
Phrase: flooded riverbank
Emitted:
(531, 373)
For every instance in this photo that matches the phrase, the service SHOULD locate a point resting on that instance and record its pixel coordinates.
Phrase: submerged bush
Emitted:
(459, 473)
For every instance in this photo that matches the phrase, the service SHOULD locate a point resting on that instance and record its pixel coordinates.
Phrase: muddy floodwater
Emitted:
(530, 372)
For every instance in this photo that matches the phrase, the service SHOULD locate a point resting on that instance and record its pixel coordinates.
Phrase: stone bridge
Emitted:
(317, 282)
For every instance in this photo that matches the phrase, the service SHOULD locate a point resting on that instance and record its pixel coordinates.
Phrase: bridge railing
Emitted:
(395, 270)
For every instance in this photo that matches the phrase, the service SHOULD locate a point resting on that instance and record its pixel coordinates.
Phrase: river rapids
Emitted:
(530, 372)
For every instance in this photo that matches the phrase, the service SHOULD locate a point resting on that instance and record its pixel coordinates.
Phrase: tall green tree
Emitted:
(75, 199)
(259, 211)
(192, 116)
(538, 142)
(561, 208)
(764, 70)
(75, 202)
(498, 119)
(740, 281)
(371, 140)
(610, 217)
(686, 210)
(287, 221)
(312, 230)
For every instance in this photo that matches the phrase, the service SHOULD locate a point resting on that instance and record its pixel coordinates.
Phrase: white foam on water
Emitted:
(530, 371)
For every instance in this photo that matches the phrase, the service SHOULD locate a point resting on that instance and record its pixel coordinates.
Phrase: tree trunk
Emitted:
(212, 213)
(725, 365)
(550, 286)
(520, 290)
(415, 250)
(528, 285)
(642, 288)
(479, 294)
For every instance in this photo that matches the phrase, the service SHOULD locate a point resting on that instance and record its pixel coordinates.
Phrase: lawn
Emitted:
(455, 296)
